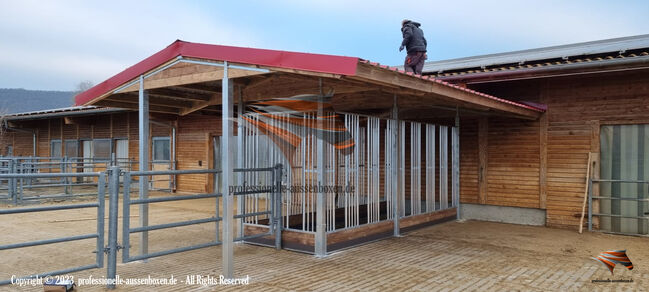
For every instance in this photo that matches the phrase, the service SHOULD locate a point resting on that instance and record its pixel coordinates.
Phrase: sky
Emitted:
(55, 45)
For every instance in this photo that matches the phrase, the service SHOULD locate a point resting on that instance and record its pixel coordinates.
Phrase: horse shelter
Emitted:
(319, 152)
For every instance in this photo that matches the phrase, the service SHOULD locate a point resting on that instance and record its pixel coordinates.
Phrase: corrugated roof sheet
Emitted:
(626, 47)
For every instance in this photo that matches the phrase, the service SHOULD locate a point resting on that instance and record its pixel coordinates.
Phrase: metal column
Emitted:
(143, 117)
(395, 165)
(321, 224)
(227, 171)
(113, 205)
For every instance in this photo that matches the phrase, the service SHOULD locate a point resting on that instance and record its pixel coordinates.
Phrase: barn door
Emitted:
(625, 161)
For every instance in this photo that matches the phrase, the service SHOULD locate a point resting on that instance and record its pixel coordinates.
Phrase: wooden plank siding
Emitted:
(517, 158)
(513, 163)
(469, 161)
(193, 150)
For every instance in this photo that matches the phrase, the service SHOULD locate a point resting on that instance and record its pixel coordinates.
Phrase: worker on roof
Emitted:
(415, 44)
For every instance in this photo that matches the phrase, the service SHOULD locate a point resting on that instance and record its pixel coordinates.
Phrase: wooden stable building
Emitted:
(502, 137)
(596, 97)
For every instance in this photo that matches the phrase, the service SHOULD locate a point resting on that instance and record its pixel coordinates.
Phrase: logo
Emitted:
(612, 257)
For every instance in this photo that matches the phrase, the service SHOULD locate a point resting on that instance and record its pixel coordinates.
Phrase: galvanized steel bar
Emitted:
(143, 134)
(278, 206)
(113, 206)
(227, 175)
(48, 241)
(455, 143)
(240, 153)
(395, 164)
(443, 167)
(101, 209)
(321, 223)
(590, 204)
(430, 168)
(126, 218)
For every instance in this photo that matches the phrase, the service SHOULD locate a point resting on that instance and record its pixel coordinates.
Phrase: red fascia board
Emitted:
(271, 58)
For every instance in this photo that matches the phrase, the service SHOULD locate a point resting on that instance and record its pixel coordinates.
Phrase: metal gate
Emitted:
(110, 179)
(633, 195)
(98, 234)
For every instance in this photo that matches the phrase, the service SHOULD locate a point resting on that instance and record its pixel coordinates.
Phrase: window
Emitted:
(55, 148)
(71, 148)
(161, 149)
(101, 148)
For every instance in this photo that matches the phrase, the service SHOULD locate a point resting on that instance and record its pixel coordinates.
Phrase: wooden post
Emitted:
(543, 153)
(483, 144)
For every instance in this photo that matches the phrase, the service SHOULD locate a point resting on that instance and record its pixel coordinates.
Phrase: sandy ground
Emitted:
(457, 256)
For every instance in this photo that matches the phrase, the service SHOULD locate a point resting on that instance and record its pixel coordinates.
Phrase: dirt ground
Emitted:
(454, 256)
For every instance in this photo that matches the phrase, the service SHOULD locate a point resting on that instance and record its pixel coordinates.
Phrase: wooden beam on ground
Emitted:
(379, 75)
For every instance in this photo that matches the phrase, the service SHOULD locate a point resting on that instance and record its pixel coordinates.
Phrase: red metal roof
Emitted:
(282, 59)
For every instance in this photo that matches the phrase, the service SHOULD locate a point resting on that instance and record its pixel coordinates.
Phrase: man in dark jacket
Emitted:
(415, 44)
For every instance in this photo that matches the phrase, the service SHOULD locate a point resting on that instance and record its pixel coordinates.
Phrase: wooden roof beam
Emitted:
(370, 73)
(126, 105)
(215, 99)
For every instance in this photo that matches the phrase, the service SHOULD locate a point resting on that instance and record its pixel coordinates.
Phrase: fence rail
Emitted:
(20, 189)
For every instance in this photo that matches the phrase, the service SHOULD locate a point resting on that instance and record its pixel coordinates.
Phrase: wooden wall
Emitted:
(542, 164)
(194, 150)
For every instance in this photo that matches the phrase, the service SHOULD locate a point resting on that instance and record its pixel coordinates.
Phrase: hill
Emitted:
(17, 100)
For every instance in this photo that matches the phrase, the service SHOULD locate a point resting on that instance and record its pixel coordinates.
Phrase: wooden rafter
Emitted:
(215, 99)
(380, 76)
